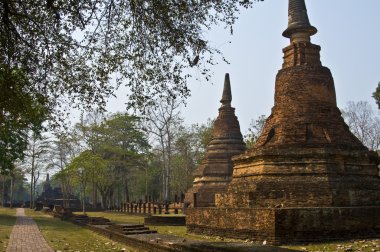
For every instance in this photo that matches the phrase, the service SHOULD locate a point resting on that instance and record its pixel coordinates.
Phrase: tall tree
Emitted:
(203, 134)
(35, 161)
(185, 157)
(254, 130)
(82, 169)
(161, 120)
(88, 136)
(363, 123)
(123, 144)
(64, 148)
(120, 143)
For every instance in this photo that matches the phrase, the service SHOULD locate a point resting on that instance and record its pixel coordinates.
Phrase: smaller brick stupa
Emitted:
(215, 171)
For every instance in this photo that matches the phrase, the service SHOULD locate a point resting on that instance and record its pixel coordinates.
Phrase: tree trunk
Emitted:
(163, 167)
(3, 192)
(31, 192)
(64, 196)
(168, 165)
(94, 196)
(84, 197)
(34, 189)
(104, 200)
(118, 197)
(83, 202)
(11, 196)
(126, 191)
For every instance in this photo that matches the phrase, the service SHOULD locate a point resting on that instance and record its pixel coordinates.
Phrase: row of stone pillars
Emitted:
(147, 208)
(150, 206)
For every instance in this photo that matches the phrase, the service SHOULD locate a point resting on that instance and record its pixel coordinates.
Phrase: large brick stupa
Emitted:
(308, 177)
(215, 171)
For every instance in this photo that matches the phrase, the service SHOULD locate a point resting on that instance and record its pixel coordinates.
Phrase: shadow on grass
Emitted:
(48, 222)
(54, 224)
(7, 220)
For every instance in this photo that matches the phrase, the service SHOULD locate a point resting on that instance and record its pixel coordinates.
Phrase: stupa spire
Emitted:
(299, 28)
(227, 96)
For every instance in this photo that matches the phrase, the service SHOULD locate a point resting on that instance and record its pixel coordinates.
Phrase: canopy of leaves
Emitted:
(121, 145)
(57, 53)
(68, 50)
(84, 166)
(20, 111)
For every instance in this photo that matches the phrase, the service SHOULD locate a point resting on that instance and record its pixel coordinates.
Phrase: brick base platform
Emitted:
(286, 225)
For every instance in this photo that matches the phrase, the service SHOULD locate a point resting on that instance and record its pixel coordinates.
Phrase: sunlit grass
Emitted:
(116, 217)
(65, 236)
(7, 220)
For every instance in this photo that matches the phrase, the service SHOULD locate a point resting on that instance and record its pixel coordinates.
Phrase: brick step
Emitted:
(92, 220)
(120, 229)
(136, 228)
(81, 216)
(130, 225)
(129, 229)
(132, 232)
(99, 221)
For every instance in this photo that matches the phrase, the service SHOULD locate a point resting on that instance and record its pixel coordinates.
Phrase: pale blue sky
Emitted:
(348, 32)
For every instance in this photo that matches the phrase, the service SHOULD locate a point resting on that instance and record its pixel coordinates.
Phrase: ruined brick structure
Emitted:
(215, 171)
(54, 196)
(308, 177)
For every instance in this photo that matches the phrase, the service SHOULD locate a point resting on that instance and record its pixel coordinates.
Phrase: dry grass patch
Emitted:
(370, 245)
(7, 220)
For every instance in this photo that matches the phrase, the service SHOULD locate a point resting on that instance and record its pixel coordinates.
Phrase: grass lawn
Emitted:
(7, 220)
(116, 217)
(65, 236)
(174, 230)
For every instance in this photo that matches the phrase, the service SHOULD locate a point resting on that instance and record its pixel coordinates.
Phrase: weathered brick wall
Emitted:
(305, 112)
(303, 178)
(301, 54)
(232, 222)
(323, 224)
(165, 221)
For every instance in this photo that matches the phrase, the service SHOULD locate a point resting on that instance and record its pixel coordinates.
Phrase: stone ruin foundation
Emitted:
(308, 178)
